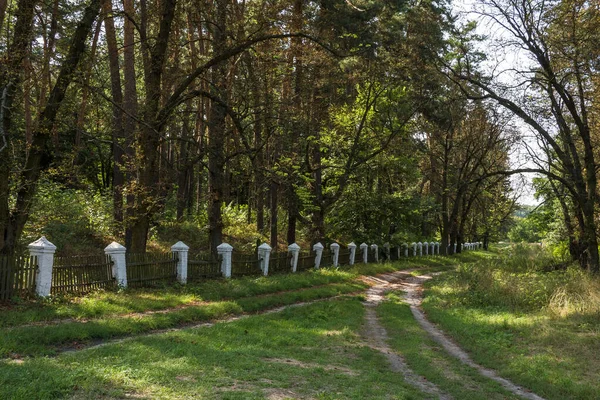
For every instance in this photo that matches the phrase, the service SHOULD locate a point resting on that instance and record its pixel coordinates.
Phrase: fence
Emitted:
(326, 258)
(17, 275)
(306, 261)
(245, 264)
(203, 266)
(46, 274)
(150, 269)
(280, 262)
(82, 273)
(344, 256)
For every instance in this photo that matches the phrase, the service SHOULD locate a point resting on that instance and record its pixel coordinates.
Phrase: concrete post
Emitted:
(420, 247)
(375, 248)
(264, 253)
(318, 249)
(454, 248)
(414, 246)
(295, 250)
(352, 247)
(225, 250)
(335, 249)
(405, 245)
(365, 252)
(426, 247)
(44, 251)
(181, 249)
(438, 248)
(117, 255)
(432, 248)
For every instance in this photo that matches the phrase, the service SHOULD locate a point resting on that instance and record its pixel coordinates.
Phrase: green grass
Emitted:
(305, 352)
(428, 359)
(45, 339)
(103, 304)
(537, 327)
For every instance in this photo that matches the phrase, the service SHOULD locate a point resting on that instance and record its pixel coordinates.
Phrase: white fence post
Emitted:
(295, 250)
(44, 251)
(375, 248)
(420, 247)
(335, 249)
(414, 246)
(181, 249)
(264, 253)
(117, 255)
(365, 252)
(426, 247)
(352, 247)
(318, 249)
(225, 250)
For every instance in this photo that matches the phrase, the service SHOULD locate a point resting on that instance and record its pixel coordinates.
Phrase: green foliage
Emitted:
(72, 219)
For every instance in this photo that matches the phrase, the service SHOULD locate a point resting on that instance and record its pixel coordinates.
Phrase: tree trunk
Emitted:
(39, 157)
(130, 111)
(118, 136)
(216, 132)
(273, 207)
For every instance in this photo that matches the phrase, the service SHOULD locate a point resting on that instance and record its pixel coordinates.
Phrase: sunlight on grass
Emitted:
(295, 352)
(534, 324)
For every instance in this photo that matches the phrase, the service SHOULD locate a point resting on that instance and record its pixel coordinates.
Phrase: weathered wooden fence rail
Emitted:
(17, 275)
(44, 274)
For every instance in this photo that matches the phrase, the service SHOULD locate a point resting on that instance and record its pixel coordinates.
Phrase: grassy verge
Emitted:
(45, 339)
(306, 352)
(428, 359)
(106, 315)
(534, 325)
(103, 304)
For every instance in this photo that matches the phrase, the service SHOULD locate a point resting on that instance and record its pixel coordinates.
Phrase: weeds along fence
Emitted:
(17, 275)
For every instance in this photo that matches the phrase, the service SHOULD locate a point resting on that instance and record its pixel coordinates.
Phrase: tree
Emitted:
(556, 79)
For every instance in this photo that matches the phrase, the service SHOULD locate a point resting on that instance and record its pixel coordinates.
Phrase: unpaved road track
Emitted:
(413, 287)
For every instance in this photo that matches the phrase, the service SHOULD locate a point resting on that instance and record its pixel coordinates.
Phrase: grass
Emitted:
(428, 359)
(46, 339)
(307, 352)
(534, 325)
(103, 304)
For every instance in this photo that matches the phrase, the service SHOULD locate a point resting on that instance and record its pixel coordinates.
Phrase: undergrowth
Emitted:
(525, 278)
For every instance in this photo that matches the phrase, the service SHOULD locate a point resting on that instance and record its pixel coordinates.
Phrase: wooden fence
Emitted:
(203, 266)
(17, 275)
(148, 269)
(245, 264)
(306, 261)
(326, 258)
(344, 256)
(82, 273)
(280, 263)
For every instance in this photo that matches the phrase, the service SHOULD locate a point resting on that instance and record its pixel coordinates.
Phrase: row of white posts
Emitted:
(44, 251)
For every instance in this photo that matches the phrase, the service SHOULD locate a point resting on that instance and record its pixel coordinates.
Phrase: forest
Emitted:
(297, 121)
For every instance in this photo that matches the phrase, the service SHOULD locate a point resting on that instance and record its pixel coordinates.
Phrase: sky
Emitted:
(522, 183)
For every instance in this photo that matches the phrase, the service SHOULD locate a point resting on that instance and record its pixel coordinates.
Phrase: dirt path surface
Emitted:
(413, 286)
(376, 335)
